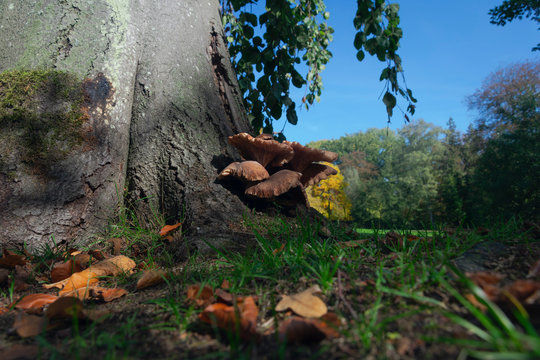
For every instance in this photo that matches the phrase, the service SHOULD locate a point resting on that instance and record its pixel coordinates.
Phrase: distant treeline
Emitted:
(423, 174)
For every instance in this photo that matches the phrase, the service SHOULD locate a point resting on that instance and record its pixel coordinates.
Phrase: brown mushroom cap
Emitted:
(265, 152)
(277, 184)
(304, 156)
(315, 173)
(245, 171)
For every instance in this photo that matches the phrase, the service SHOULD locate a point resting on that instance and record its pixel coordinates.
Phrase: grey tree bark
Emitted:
(161, 99)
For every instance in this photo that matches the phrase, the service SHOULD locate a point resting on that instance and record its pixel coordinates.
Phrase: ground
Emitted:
(392, 294)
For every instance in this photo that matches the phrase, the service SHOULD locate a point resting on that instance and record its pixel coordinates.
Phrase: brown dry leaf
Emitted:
(117, 245)
(534, 271)
(65, 308)
(35, 301)
(304, 304)
(411, 237)
(151, 278)
(20, 352)
(278, 250)
(243, 318)
(300, 330)
(224, 296)
(225, 284)
(473, 300)
(63, 270)
(522, 290)
(488, 282)
(107, 294)
(109, 267)
(168, 228)
(29, 325)
(201, 297)
(3, 310)
(10, 259)
(83, 259)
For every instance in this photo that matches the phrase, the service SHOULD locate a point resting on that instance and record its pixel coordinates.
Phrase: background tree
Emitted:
(510, 10)
(505, 160)
(329, 197)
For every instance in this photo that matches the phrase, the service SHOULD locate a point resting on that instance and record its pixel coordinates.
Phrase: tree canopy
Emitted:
(269, 49)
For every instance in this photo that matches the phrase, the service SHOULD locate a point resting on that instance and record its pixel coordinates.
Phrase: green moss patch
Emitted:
(41, 115)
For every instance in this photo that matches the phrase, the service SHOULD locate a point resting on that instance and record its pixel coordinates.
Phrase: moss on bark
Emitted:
(41, 115)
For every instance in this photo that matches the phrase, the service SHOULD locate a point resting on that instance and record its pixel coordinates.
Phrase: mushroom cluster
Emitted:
(277, 171)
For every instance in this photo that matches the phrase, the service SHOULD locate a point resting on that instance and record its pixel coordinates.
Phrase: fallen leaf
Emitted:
(10, 259)
(224, 296)
(3, 310)
(109, 267)
(65, 308)
(523, 290)
(168, 228)
(107, 294)
(35, 301)
(63, 270)
(20, 352)
(353, 243)
(300, 330)
(241, 319)
(29, 325)
(488, 282)
(117, 245)
(278, 250)
(304, 304)
(225, 284)
(151, 278)
(412, 237)
(534, 271)
(201, 297)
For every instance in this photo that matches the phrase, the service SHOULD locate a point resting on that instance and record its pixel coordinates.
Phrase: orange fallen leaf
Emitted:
(151, 278)
(10, 259)
(107, 294)
(63, 270)
(225, 284)
(168, 228)
(300, 330)
(201, 297)
(109, 267)
(241, 319)
(304, 304)
(35, 301)
(3, 310)
(278, 250)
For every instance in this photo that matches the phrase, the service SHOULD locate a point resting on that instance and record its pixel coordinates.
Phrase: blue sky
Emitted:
(448, 49)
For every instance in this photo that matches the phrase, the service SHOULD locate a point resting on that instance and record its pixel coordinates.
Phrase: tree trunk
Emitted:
(160, 99)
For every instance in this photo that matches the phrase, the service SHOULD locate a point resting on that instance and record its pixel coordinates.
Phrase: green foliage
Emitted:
(329, 198)
(294, 34)
(503, 151)
(510, 10)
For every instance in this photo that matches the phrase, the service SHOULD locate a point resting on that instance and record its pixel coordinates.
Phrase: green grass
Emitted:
(375, 286)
